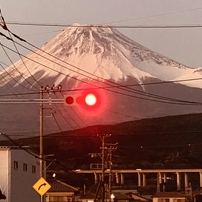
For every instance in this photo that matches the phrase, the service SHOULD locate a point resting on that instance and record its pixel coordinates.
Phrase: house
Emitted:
(171, 197)
(140, 198)
(89, 197)
(61, 191)
(19, 170)
(115, 197)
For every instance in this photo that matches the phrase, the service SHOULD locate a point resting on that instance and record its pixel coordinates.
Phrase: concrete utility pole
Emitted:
(101, 187)
(41, 162)
(41, 133)
(110, 148)
(103, 165)
(41, 155)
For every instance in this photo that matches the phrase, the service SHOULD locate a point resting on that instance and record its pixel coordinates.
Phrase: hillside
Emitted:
(131, 81)
(167, 142)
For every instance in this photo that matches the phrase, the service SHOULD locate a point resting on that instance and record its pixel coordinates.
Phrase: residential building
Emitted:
(171, 197)
(19, 170)
(61, 191)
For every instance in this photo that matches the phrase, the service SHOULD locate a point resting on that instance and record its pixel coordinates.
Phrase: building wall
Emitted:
(4, 172)
(20, 171)
(60, 196)
(169, 199)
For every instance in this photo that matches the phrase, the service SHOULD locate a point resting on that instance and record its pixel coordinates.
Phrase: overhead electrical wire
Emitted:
(174, 101)
(142, 93)
(35, 155)
(157, 98)
(21, 147)
(138, 92)
(24, 62)
(107, 81)
(11, 75)
(118, 21)
(4, 26)
(78, 117)
(157, 15)
(112, 26)
(64, 109)
(13, 65)
(11, 87)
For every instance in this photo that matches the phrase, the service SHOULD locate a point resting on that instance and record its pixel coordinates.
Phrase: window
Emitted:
(25, 167)
(33, 169)
(60, 198)
(15, 166)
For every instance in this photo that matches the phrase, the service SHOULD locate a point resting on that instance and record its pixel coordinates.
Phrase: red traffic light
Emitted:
(88, 99)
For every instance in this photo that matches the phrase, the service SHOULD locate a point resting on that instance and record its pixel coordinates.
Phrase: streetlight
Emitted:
(112, 197)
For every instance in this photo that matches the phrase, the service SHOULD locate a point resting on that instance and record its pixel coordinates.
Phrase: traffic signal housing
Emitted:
(88, 102)
(88, 99)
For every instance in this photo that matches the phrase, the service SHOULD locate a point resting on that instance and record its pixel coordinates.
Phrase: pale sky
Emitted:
(181, 44)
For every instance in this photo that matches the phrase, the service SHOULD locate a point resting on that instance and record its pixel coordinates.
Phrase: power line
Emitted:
(117, 85)
(110, 26)
(157, 15)
(23, 61)
(153, 97)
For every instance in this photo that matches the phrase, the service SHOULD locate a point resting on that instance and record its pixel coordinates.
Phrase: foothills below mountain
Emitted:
(167, 142)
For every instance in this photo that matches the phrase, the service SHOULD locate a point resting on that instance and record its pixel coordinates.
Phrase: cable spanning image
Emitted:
(62, 61)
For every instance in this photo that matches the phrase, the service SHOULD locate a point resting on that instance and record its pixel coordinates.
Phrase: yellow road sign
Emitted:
(41, 186)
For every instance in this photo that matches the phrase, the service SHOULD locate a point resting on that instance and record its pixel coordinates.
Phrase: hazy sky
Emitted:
(181, 44)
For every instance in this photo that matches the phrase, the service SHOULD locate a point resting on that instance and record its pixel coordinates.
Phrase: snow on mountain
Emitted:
(103, 52)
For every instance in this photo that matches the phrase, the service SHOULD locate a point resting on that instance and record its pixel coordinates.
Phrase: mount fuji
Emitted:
(136, 82)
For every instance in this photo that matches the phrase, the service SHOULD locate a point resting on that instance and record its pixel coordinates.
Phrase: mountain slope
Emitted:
(131, 80)
(102, 52)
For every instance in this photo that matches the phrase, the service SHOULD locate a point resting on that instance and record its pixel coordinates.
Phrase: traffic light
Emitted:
(88, 101)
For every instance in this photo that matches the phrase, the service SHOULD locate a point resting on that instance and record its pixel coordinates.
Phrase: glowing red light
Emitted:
(90, 99)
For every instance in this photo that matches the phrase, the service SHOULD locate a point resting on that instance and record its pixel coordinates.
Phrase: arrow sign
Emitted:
(41, 186)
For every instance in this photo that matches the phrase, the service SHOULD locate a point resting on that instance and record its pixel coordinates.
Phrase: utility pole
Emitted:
(41, 132)
(41, 155)
(41, 163)
(101, 185)
(104, 157)
(103, 166)
(112, 147)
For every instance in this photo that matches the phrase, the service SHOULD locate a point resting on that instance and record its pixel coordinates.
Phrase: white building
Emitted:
(19, 170)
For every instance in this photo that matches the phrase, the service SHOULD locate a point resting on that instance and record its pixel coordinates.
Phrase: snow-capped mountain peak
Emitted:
(87, 52)
(101, 51)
